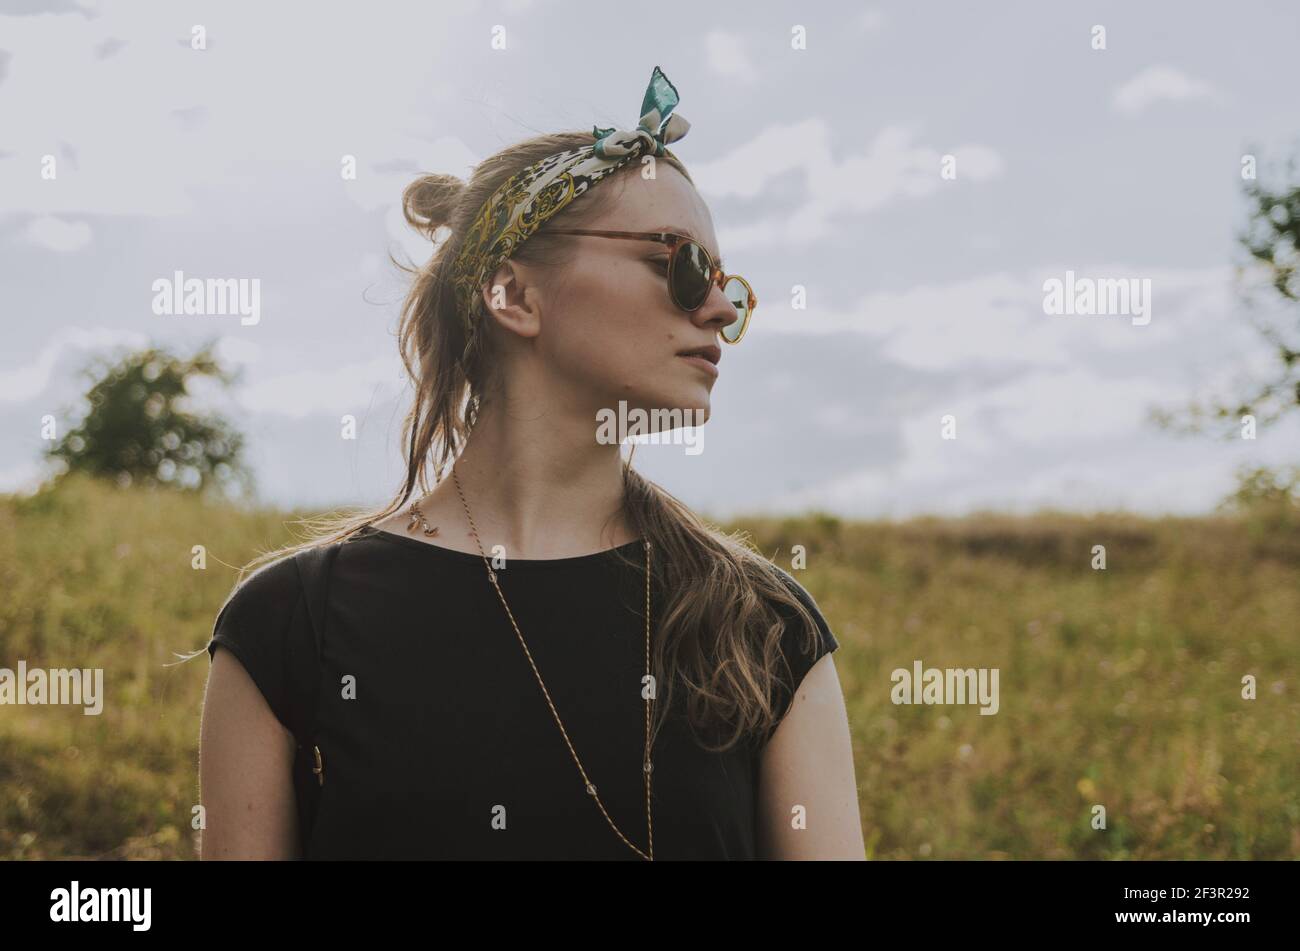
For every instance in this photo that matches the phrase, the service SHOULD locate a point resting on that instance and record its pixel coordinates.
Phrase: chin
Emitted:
(692, 406)
(671, 409)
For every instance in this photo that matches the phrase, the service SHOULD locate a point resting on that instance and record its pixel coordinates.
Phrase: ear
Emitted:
(512, 300)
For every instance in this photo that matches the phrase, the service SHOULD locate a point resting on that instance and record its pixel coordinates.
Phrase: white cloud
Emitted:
(346, 389)
(1159, 84)
(55, 234)
(1076, 442)
(1050, 411)
(233, 352)
(146, 154)
(30, 381)
(726, 54)
(871, 20)
(998, 320)
(891, 167)
(1048, 407)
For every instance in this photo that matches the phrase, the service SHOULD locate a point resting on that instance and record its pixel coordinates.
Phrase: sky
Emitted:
(897, 180)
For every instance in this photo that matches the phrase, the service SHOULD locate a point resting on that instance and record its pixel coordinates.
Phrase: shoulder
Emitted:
(809, 603)
(273, 590)
(801, 645)
(797, 589)
(267, 623)
(266, 588)
(254, 621)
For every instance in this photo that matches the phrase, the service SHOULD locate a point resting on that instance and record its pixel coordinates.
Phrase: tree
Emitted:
(1269, 503)
(1272, 240)
(139, 428)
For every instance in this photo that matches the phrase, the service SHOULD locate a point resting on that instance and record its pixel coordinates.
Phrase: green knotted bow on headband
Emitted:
(533, 196)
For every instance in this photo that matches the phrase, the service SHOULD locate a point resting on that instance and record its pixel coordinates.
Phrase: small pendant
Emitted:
(417, 518)
(591, 789)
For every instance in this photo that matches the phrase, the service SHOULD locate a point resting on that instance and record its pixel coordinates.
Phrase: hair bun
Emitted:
(428, 202)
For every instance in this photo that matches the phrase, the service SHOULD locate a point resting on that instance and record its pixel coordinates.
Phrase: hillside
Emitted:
(1119, 687)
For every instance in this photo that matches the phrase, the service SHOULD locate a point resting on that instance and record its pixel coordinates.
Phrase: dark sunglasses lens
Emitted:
(738, 294)
(691, 273)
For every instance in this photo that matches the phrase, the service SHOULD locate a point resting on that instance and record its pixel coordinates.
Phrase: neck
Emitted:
(539, 483)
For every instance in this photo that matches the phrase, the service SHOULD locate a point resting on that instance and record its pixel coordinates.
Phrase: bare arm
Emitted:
(809, 762)
(245, 770)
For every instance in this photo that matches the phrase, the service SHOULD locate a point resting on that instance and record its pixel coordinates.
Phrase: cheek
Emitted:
(610, 328)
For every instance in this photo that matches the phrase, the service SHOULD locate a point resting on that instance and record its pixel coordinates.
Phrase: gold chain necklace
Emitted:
(647, 764)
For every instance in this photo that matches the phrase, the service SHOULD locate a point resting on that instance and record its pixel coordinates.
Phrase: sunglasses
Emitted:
(691, 275)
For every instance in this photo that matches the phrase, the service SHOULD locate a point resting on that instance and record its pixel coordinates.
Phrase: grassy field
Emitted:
(1119, 688)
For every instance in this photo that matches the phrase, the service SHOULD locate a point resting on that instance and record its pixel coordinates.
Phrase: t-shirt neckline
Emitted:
(466, 557)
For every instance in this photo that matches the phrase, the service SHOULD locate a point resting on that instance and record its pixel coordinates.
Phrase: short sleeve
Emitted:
(259, 624)
(794, 647)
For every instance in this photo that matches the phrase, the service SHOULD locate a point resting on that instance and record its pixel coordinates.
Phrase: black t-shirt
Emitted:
(449, 737)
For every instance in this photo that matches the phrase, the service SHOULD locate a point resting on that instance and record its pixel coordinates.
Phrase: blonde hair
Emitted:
(720, 607)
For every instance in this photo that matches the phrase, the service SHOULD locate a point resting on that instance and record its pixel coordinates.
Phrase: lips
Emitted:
(712, 353)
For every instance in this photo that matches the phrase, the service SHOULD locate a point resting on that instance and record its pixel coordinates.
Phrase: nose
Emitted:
(717, 312)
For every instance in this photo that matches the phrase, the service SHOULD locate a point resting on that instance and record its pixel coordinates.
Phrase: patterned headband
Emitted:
(533, 196)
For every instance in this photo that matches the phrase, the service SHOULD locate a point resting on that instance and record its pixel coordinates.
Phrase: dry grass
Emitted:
(1119, 687)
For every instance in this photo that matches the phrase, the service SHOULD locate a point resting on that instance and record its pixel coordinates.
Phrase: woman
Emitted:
(615, 680)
